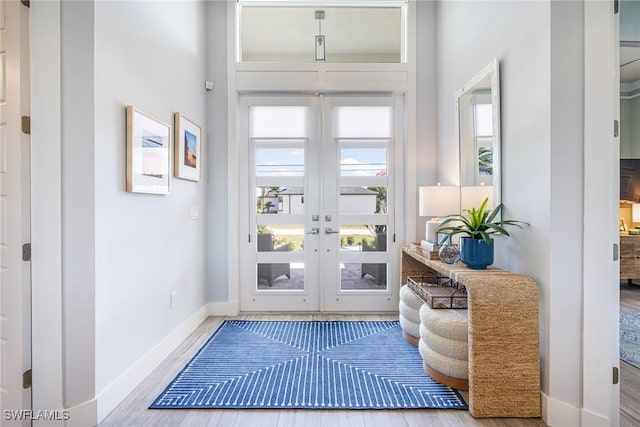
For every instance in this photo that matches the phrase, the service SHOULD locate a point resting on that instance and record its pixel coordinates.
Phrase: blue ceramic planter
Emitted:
(476, 253)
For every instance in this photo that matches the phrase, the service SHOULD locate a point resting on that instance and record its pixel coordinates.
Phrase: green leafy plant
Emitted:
(367, 240)
(477, 224)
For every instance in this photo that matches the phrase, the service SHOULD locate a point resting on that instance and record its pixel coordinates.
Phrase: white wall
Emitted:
(217, 155)
(426, 105)
(563, 322)
(150, 55)
(46, 206)
(78, 201)
(539, 48)
(470, 35)
(124, 253)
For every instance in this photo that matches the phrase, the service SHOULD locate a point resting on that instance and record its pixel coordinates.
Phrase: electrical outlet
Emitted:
(172, 299)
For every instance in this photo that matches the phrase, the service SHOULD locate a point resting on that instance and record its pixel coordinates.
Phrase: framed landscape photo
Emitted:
(148, 154)
(188, 146)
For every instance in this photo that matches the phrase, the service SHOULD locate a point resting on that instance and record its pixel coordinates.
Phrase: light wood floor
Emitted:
(133, 412)
(629, 374)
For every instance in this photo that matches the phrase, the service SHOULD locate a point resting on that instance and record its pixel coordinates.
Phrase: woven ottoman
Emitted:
(444, 345)
(410, 315)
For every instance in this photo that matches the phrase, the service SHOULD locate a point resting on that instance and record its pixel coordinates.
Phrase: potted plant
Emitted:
(476, 247)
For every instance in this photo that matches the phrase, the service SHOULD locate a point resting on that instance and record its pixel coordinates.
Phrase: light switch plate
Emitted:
(194, 212)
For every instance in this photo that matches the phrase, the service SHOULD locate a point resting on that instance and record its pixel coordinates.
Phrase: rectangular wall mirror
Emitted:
(478, 132)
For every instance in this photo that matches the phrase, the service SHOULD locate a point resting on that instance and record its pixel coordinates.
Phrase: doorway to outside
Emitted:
(320, 203)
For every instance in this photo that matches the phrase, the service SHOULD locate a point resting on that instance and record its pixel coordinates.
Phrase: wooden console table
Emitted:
(629, 257)
(504, 355)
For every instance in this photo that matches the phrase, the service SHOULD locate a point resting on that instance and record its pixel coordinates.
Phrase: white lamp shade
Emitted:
(439, 200)
(473, 196)
(635, 212)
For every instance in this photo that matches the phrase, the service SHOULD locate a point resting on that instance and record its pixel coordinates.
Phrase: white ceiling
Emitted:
(629, 64)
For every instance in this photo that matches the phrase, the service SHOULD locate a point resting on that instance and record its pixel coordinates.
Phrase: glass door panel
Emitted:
(279, 158)
(279, 240)
(362, 140)
(277, 33)
(278, 140)
(358, 161)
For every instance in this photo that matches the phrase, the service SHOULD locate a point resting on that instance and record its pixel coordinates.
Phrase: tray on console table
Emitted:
(437, 295)
(504, 355)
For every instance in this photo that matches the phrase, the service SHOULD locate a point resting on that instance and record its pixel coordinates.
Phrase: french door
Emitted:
(320, 203)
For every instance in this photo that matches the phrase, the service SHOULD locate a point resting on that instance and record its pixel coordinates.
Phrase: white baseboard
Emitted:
(82, 415)
(591, 419)
(224, 308)
(120, 388)
(556, 413)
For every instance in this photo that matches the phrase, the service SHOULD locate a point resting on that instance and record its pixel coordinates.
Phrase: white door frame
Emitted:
(600, 327)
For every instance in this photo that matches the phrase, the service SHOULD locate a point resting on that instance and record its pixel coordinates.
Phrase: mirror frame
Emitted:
(490, 71)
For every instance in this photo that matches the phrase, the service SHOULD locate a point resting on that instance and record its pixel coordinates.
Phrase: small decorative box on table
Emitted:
(445, 293)
(429, 252)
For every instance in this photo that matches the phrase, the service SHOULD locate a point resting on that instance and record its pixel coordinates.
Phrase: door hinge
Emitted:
(616, 128)
(616, 375)
(26, 379)
(394, 237)
(26, 3)
(616, 6)
(26, 125)
(26, 252)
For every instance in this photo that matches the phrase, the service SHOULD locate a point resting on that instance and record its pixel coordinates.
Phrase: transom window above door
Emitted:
(364, 31)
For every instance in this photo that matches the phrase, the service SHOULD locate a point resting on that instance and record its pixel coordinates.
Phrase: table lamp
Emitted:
(635, 218)
(472, 196)
(437, 201)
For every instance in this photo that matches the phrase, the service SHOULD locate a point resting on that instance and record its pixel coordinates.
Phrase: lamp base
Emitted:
(431, 229)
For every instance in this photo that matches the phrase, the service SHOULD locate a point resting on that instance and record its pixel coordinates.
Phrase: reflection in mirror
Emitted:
(478, 129)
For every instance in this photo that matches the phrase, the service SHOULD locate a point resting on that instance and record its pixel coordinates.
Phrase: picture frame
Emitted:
(148, 154)
(187, 149)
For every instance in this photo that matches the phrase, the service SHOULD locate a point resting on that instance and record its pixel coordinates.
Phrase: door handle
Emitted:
(314, 230)
(331, 231)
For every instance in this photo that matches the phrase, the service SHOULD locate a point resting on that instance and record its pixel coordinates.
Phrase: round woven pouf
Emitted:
(410, 315)
(444, 345)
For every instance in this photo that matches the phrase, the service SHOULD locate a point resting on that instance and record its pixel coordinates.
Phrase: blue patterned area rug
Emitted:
(308, 365)
(630, 337)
